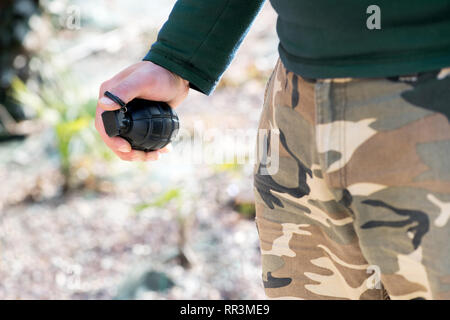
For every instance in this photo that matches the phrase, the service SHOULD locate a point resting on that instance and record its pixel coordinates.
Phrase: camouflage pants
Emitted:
(360, 205)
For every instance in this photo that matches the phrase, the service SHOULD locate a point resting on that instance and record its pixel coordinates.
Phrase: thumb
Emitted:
(127, 89)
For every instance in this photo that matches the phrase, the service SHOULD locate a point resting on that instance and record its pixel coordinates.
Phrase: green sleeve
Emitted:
(201, 37)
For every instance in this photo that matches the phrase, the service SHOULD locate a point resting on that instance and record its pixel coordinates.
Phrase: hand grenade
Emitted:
(146, 125)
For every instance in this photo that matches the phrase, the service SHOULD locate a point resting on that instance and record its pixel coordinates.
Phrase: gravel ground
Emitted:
(91, 244)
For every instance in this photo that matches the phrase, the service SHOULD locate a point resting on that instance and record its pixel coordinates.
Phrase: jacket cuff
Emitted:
(185, 70)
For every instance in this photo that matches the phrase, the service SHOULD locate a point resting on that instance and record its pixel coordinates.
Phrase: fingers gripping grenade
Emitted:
(146, 125)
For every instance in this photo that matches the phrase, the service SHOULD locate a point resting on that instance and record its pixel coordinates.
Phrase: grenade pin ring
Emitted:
(116, 99)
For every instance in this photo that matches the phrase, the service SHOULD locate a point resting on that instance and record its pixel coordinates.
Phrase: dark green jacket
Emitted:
(318, 38)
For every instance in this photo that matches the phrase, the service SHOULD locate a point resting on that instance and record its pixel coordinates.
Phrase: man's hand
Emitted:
(144, 80)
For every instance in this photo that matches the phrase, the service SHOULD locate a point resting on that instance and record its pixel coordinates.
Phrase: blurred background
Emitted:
(78, 223)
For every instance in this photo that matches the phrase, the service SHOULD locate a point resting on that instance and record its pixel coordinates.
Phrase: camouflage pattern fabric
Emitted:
(359, 207)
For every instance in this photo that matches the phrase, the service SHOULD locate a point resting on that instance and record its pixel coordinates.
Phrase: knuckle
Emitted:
(121, 87)
(103, 88)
